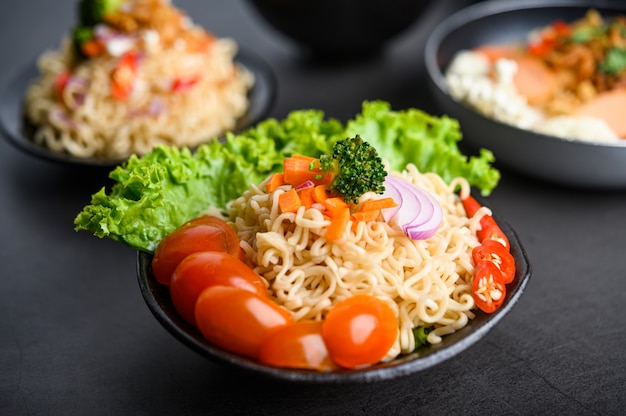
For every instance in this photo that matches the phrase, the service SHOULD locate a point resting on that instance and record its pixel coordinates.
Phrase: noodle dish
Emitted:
(133, 74)
(331, 248)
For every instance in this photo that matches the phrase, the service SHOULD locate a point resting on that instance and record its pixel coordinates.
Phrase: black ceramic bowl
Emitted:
(158, 299)
(340, 29)
(568, 162)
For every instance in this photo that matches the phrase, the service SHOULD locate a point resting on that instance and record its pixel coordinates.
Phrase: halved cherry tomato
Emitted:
(123, 76)
(495, 252)
(359, 331)
(488, 289)
(299, 345)
(205, 233)
(209, 268)
(490, 230)
(238, 320)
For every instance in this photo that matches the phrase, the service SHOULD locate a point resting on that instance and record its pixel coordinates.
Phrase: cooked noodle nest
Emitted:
(90, 123)
(426, 282)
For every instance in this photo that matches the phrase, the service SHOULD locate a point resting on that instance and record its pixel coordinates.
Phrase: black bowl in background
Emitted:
(561, 161)
(340, 29)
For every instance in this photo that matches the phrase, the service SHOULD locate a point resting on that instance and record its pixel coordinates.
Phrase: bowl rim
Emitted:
(486, 9)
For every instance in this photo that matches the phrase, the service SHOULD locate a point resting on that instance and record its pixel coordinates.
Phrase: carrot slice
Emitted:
(608, 106)
(289, 201)
(377, 204)
(338, 224)
(303, 157)
(306, 197)
(534, 79)
(368, 215)
(276, 180)
(297, 171)
(321, 193)
(335, 204)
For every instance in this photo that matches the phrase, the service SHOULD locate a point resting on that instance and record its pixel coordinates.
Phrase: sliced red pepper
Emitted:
(60, 82)
(488, 289)
(494, 252)
(123, 76)
(182, 85)
(489, 230)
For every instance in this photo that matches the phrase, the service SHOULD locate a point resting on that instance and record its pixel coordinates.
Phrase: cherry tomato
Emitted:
(490, 230)
(359, 331)
(204, 233)
(298, 345)
(495, 252)
(209, 268)
(488, 289)
(238, 320)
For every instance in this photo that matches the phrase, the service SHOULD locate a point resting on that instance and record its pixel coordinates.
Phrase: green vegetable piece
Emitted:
(92, 12)
(356, 168)
(614, 62)
(421, 335)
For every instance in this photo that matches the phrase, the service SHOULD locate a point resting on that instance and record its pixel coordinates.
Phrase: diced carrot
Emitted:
(306, 197)
(377, 204)
(493, 52)
(534, 79)
(334, 204)
(608, 106)
(367, 216)
(303, 157)
(276, 180)
(321, 193)
(92, 48)
(338, 224)
(297, 171)
(289, 201)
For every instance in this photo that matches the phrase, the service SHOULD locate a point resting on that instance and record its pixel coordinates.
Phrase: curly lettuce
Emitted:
(154, 194)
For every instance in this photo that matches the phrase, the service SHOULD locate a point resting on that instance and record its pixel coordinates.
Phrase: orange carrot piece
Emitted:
(289, 201)
(368, 215)
(321, 193)
(275, 181)
(306, 197)
(335, 204)
(377, 204)
(297, 171)
(92, 48)
(534, 79)
(338, 224)
(608, 106)
(303, 157)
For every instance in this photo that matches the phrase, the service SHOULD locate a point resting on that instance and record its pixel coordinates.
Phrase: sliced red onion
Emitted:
(305, 185)
(418, 214)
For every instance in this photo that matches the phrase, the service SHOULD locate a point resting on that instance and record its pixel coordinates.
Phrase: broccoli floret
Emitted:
(92, 12)
(356, 169)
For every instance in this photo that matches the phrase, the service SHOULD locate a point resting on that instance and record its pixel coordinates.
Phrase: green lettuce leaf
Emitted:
(429, 142)
(154, 194)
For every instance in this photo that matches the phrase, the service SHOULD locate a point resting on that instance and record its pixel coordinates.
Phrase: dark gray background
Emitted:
(77, 338)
